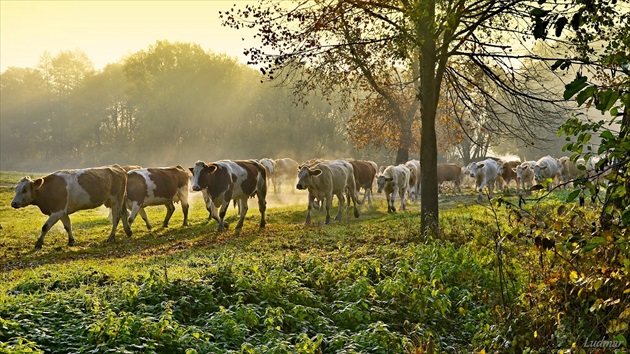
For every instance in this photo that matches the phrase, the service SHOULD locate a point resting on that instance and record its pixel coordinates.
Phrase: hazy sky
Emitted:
(109, 30)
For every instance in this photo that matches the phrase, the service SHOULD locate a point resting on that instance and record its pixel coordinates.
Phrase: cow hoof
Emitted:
(71, 243)
(356, 213)
(164, 225)
(38, 246)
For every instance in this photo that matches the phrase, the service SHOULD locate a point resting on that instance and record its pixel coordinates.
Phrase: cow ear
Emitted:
(192, 170)
(316, 172)
(480, 165)
(513, 169)
(389, 179)
(37, 184)
(543, 167)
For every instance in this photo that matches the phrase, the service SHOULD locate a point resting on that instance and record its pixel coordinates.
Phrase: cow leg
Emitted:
(368, 194)
(185, 207)
(242, 210)
(329, 206)
(52, 220)
(135, 208)
(354, 197)
(341, 205)
(402, 199)
(123, 214)
(262, 207)
(170, 209)
(143, 215)
(311, 201)
(222, 212)
(67, 225)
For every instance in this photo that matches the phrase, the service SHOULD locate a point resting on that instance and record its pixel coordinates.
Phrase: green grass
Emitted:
(372, 284)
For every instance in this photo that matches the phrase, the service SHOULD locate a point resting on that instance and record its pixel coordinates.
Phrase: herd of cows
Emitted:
(127, 190)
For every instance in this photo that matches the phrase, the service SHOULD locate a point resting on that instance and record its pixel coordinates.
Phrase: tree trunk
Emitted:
(406, 140)
(429, 215)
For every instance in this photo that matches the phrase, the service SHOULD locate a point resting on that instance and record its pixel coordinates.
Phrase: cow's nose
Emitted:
(196, 188)
(299, 186)
(15, 205)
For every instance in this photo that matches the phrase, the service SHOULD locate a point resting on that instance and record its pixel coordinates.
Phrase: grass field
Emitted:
(366, 285)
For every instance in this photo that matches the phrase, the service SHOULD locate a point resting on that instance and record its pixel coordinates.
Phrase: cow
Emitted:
(270, 166)
(507, 174)
(66, 191)
(414, 178)
(228, 180)
(394, 180)
(364, 173)
(485, 174)
(546, 168)
(569, 170)
(449, 172)
(157, 186)
(284, 172)
(525, 174)
(325, 179)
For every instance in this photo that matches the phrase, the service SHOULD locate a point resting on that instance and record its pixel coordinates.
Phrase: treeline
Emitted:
(173, 103)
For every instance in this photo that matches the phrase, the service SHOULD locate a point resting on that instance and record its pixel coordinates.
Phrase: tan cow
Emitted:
(364, 173)
(394, 181)
(284, 173)
(64, 192)
(507, 174)
(569, 170)
(325, 179)
(228, 180)
(449, 172)
(414, 178)
(157, 186)
(525, 174)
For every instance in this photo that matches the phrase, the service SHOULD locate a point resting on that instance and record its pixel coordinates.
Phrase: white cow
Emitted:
(394, 180)
(485, 174)
(547, 168)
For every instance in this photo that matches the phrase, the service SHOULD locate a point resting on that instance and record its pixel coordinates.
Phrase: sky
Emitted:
(108, 30)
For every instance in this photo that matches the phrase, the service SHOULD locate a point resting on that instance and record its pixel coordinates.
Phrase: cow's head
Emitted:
(25, 192)
(201, 170)
(304, 176)
(474, 167)
(381, 180)
(538, 176)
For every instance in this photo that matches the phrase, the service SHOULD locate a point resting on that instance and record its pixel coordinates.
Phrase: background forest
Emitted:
(175, 103)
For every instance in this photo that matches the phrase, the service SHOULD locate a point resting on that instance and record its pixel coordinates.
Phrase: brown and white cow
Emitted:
(325, 179)
(449, 172)
(485, 174)
(228, 180)
(507, 174)
(364, 173)
(157, 186)
(64, 192)
(270, 166)
(414, 178)
(394, 181)
(284, 173)
(547, 168)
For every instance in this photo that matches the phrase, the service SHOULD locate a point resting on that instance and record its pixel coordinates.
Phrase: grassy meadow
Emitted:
(367, 285)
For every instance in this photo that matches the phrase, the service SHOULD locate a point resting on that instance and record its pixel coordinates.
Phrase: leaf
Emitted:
(607, 99)
(594, 243)
(625, 217)
(586, 94)
(607, 134)
(560, 23)
(573, 195)
(573, 276)
(574, 87)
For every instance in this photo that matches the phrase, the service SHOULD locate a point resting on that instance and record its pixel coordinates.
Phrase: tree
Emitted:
(340, 43)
